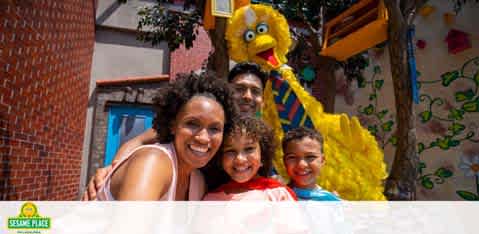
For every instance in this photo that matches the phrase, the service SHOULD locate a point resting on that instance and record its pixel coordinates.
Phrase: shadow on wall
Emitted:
(5, 185)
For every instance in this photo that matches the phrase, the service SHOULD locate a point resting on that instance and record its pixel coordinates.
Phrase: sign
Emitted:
(29, 220)
(222, 8)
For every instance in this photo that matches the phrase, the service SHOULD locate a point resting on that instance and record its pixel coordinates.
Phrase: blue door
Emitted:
(124, 123)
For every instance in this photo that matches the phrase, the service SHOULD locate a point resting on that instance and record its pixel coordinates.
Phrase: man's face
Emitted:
(248, 93)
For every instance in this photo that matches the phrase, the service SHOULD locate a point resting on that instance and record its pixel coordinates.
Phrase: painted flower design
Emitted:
(470, 166)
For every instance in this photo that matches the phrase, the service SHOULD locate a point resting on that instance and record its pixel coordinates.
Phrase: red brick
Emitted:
(196, 55)
(43, 94)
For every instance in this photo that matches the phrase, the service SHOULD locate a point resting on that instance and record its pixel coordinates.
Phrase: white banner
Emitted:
(239, 217)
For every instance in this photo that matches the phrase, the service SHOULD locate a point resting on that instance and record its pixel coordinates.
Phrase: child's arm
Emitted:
(147, 137)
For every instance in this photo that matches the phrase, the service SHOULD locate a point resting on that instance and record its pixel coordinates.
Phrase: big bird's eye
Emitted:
(262, 28)
(249, 35)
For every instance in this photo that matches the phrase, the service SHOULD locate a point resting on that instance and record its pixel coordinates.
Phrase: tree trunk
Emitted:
(325, 82)
(219, 59)
(401, 183)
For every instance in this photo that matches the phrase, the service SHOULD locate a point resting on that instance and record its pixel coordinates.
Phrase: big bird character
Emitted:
(355, 165)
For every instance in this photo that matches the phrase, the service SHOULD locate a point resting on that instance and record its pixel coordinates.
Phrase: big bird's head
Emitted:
(259, 34)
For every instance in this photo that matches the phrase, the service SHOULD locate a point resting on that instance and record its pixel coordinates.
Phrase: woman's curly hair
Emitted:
(171, 98)
(251, 127)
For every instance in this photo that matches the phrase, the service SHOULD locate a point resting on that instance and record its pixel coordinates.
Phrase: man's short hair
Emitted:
(247, 68)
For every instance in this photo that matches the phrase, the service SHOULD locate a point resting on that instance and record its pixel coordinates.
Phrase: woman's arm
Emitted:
(146, 176)
(147, 137)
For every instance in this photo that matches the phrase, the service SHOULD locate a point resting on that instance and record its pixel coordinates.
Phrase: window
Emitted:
(124, 123)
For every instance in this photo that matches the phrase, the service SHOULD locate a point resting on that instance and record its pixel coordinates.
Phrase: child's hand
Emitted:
(97, 181)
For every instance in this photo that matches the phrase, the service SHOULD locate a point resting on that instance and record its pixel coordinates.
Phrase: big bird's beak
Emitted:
(263, 47)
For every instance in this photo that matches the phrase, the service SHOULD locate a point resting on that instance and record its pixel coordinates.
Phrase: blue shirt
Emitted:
(317, 194)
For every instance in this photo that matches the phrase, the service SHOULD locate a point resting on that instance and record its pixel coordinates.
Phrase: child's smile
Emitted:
(303, 160)
(241, 158)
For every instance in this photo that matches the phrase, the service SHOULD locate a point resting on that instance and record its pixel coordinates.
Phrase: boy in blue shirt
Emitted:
(303, 159)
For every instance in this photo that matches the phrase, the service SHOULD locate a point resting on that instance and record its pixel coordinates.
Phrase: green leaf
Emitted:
(378, 84)
(393, 140)
(443, 143)
(422, 165)
(372, 97)
(427, 183)
(463, 96)
(387, 126)
(468, 196)
(369, 110)
(472, 106)
(377, 69)
(361, 83)
(454, 143)
(456, 128)
(373, 129)
(382, 114)
(418, 73)
(425, 116)
(420, 148)
(449, 77)
(443, 172)
(456, 114)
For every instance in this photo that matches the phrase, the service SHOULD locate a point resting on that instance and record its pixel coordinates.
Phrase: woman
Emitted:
(191, 115)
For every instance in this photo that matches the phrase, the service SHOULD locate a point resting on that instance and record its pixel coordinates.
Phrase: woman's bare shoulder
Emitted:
(147, 175)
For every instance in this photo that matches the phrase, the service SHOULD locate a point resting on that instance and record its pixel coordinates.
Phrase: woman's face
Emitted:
(198, 130)
(241, 157)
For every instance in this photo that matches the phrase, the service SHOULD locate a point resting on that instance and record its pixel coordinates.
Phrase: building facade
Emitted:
(46, 50)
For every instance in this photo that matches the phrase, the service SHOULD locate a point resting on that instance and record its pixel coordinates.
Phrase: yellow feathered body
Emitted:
(354, 166)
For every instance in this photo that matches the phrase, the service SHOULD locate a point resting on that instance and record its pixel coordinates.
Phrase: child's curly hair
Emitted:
(171, 98)
(251, 127)
(258, 131)
(300, 133)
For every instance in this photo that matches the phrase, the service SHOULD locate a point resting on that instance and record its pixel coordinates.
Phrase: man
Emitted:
(247, 81)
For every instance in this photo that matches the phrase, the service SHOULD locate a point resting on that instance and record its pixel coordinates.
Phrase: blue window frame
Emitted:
(124, 123)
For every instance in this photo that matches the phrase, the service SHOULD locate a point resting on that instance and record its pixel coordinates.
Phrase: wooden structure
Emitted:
(360, 27)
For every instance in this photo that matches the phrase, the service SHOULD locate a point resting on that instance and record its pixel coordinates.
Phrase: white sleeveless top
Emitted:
(195, 190)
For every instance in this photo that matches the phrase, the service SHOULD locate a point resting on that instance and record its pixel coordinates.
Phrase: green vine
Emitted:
(457, 132)
(470, 196)
(467, 102)
(382, 128)
(428, 180)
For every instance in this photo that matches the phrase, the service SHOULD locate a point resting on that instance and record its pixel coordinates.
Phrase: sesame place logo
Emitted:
(29, 220)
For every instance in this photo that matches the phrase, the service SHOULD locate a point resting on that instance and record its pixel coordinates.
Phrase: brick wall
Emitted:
(183, 60)
(46, 50)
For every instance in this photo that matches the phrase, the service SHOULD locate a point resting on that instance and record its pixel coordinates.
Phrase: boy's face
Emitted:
(303, 160)
(241, 157)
